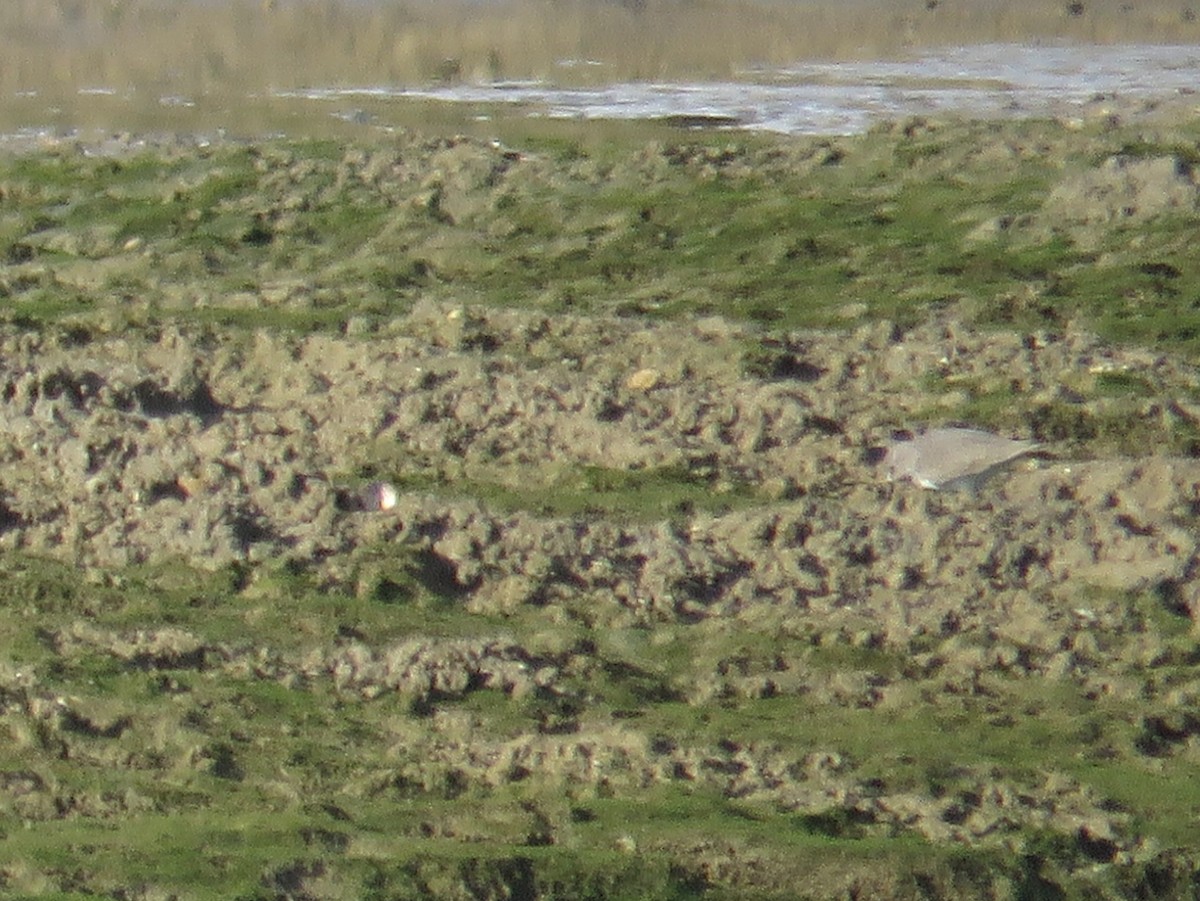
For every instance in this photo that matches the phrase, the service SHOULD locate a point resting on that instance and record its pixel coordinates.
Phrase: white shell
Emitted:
(950, 458)
(379, 496)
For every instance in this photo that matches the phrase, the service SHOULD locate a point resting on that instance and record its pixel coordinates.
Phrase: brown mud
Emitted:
(134, 449)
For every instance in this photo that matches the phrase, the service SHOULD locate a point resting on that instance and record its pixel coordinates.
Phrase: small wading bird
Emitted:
(946, 459)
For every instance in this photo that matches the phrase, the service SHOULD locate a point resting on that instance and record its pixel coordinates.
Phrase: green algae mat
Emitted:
(1025, 224)
(644, 623)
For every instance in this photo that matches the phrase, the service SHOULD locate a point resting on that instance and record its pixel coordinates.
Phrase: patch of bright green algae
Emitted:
(623, 495)
(227, 771)
(783, 232)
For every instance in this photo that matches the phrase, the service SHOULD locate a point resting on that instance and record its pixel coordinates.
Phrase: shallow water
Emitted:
(845, 98)
(981, 81)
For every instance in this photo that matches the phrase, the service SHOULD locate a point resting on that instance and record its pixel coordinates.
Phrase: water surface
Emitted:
(985, 81)
(816, 98)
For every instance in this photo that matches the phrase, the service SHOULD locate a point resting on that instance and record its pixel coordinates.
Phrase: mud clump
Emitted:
(133, 450)
(1126, 188)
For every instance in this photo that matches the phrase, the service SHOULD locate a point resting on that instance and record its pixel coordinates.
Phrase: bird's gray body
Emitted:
(951, 458)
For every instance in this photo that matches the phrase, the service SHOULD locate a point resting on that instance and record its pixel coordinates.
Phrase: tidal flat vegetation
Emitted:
(644, 621)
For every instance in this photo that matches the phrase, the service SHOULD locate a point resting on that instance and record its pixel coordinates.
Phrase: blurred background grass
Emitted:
(217, 46)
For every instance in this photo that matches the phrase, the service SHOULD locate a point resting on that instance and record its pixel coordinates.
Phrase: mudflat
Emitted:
(645, 620)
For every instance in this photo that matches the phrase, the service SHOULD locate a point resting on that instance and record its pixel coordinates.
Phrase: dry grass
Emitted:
(250, 45)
